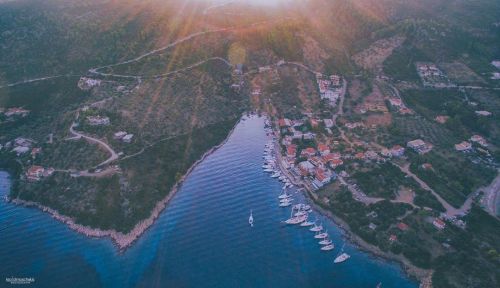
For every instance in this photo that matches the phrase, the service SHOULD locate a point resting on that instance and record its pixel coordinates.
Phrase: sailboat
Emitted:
(306, 223)
(316, 228)
(321, 235)
(250, 219)
(325, 241)
(342, 257)
(327, 247)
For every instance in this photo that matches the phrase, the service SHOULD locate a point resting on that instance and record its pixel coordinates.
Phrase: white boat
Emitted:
(250, 219)
(283, 195)
(321, 235)
(306, 223)
(325, 241)
(295, 220)
(300, 213)
(341, 258)
(285, 204)
(327, 247)
(316, 228)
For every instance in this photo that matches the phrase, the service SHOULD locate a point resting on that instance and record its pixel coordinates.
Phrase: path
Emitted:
(450, 210)
(491, 194)
(113, 156)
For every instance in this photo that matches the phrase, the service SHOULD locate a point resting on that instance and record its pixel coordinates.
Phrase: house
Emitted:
(88, 83)
(372, 226)
(328, 123)
(98, 120)
(323, 149)
(287, 140)
(20, 150)
(479, 140)
(386, 152)
(128, 138)
(393, 238)
(20, 141)
(34, 173)
(359, 156)
(372, 155)
(291, 151)
(404, 111)
(16, 111)
(308, 136)
(402, 226)
(321, 176)
(119, 135)
(35, 151)
(463, 146)
(314, 123)
(306, 168)
(397, 151)
(419, 146)
(441, 119)
(336, 163)
(439, 224)
(396, 102)
(427, 166)
(283, 122)
(308, 152)
(353, 125)
(483, 113)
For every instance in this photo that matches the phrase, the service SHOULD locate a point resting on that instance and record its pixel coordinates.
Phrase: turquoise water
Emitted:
(202, 239)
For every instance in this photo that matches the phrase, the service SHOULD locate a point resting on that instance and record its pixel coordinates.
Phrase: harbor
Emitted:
(225, 227)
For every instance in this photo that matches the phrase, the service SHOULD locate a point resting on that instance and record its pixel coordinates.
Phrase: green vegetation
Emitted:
(384, 180)
(120, 201)
(401, 64)
(452, 176)
(71, 154)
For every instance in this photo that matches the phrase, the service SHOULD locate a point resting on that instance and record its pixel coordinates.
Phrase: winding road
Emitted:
(103, 144)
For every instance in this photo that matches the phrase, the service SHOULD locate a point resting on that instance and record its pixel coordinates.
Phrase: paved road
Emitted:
(113, 156)
(491, 194)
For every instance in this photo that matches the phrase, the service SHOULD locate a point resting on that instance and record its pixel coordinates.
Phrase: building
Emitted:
(291, 151)
(441, 119)
(427, 166)
(386, 152)
(98, 120)
(483, 113)
(439, 224)
(396, 102)
(35, 151)
(328, 123)
(463, 146)
(119, 135)
(306, 168)
(402, 226)
(128, 138)
(336, 163)
(323, 149)
(479, 140)
(16, 111)
(393, 238)
(359, 156)
(419, 146)
(34, 173)
(308, 152)
(321, 176)
(397, 151)
(283, 122)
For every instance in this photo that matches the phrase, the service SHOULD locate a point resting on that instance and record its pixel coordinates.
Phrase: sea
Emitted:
(202, 238)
